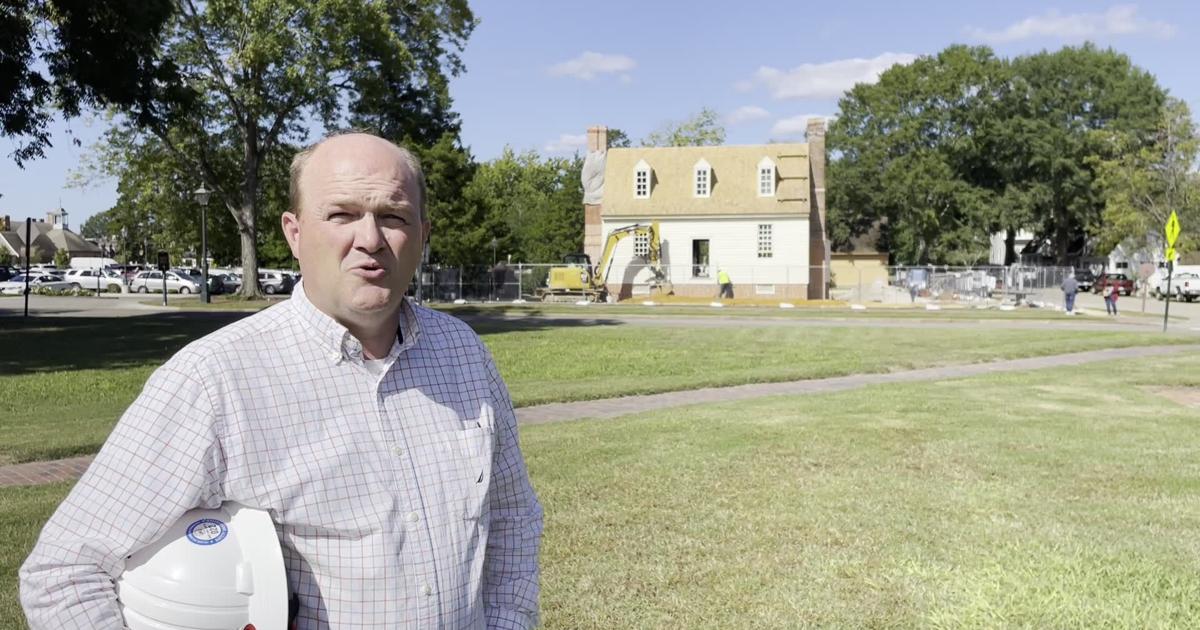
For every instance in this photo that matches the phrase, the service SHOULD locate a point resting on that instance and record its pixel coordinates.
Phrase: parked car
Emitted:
(95, 279)
(232, 282)
(16, 284)
(129, 271)
(1185, 286)
(273, 282)
(1119, 281)
(1085, 279)
(215, 285)
(151, 281)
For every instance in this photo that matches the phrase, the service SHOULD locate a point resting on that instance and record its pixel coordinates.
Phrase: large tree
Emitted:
(961, 144)
(70, 54)
(264, 71)
(908, 150)
(530, 205)
(459, 225)
(1060, 111)
(1144, 184)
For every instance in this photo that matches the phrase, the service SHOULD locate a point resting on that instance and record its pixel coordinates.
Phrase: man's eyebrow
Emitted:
(356, 204)
(395, 204)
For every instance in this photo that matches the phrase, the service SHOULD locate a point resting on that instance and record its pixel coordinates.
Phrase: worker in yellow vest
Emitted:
(726, 284)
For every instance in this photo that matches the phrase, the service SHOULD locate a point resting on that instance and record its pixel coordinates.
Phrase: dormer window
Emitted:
(641, 180)
(766, 178)
(703, 178)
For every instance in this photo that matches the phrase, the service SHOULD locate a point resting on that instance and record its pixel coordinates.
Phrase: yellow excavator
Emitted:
(579, 279)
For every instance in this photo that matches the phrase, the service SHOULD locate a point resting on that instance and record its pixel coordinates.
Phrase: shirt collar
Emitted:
(335, 340)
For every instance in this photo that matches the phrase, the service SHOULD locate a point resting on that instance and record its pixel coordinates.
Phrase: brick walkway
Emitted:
(65, 469)
(35, 473)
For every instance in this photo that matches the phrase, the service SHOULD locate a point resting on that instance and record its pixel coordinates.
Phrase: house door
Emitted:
(700, 258)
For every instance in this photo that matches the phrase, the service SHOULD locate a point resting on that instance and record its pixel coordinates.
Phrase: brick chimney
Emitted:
(597, 137)
(597, 142)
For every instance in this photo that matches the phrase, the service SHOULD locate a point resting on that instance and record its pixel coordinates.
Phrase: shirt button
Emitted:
(397, 451)
(412, 517)
(426, 590)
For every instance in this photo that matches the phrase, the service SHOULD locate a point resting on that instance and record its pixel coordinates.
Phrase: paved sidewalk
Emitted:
(36, 473)
(65, 469)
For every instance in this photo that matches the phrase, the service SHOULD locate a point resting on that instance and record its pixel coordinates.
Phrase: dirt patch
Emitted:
(1186, 396)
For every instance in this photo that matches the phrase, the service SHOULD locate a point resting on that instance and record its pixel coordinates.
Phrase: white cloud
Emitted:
(746, 113)
(1118, 20)
(590, 64)
(795, 126)
(823, 80)
(566, 143)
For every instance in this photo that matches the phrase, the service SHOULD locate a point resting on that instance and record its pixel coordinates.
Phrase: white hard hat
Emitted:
(220, 569)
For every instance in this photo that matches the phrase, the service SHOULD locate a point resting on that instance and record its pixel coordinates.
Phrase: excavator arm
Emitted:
(580, 277)
(653, 255)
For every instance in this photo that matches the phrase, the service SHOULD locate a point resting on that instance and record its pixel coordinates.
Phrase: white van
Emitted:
(92, 262)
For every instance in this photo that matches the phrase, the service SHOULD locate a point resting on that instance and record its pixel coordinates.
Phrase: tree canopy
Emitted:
(1143, 184)
(70, 54)
(702, 129)
(530, 204)
(262, 73)
(958, 145)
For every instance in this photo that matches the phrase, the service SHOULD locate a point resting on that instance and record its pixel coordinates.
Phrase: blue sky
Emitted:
(539, 73)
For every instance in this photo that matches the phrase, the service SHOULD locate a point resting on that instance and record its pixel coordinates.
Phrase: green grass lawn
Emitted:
(66, 381)
(1053, 499)
(22, 513)
(824, 311)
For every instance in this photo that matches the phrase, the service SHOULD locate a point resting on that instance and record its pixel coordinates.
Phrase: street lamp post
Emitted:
(202, 194)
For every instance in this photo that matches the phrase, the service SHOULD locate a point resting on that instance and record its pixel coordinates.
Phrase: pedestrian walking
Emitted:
(1110, 299)
(726, 284)
(1070, 287)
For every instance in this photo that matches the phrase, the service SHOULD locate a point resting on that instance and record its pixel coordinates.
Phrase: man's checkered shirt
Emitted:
(401, 500)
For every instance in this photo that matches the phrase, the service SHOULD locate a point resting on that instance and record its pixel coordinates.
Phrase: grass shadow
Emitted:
(49, 344)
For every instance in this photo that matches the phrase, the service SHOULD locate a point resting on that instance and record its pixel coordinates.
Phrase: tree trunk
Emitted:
(248, 215)
(1010, 247)
(1063, 246)
(248, 230)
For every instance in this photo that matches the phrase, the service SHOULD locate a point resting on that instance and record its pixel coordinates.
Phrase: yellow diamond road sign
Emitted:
(1172, 229)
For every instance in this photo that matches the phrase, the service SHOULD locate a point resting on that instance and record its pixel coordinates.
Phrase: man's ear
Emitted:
(291, 231)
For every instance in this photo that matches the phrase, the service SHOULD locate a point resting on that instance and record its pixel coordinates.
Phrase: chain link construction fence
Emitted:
(866, 284)
(968, 285)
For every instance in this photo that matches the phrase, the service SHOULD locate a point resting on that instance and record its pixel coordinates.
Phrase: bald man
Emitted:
(378, 434)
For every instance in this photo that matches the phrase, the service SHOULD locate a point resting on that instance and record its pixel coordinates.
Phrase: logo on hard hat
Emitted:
(207, 531)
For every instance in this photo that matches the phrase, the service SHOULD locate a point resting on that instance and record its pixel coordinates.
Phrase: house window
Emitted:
(700, 258)
(641, 180)
(766, 178)
(703, 178)
(641, 245)
(764, 240)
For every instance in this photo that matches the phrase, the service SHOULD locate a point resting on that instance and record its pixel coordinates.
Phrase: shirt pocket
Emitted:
(475, 449)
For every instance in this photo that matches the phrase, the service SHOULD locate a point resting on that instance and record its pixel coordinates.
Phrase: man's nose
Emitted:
(368, 235)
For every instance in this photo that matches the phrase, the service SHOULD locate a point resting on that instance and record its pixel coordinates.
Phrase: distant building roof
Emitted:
(46, 241)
